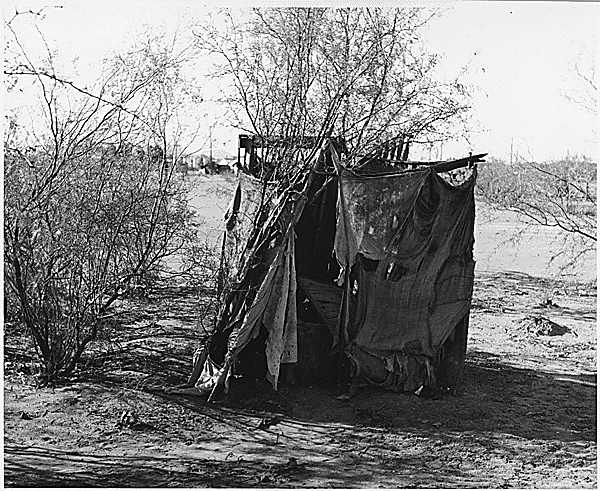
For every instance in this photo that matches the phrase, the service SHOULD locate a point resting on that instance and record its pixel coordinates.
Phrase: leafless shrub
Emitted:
(358, 72)
(93, 202)
(559, 194)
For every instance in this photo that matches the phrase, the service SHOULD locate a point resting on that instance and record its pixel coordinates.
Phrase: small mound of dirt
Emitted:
(539, 325)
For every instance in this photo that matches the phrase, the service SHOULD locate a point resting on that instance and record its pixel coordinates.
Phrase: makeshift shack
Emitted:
(356, 271)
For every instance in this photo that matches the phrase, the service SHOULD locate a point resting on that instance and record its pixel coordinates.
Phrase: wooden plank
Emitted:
(326, 298)
(455, 164)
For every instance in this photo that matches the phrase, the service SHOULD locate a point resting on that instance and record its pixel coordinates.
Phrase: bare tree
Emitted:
(92, 201)
(560, 194)
(360, 72)
(584, 93)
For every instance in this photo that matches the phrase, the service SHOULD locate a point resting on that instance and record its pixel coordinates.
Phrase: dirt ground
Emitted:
(525, 417)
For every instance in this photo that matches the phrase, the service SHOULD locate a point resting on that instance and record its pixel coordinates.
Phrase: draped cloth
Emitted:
(405, 245)
(255, 211)
(404, 242)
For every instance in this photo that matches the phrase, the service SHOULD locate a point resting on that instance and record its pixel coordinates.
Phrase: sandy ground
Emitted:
(525, 418)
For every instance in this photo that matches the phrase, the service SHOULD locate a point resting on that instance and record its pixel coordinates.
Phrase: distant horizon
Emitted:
(232, 153)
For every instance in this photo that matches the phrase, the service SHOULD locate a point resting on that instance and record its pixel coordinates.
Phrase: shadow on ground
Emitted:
(47, 468)
(342, 443)
(504, 420)
(495, 397)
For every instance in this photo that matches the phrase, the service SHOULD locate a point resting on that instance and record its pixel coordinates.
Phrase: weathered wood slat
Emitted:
(455, 164)
(326, 298)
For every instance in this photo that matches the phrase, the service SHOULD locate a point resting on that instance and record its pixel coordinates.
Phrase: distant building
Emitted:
(202, 163)
(197, 162)
(226, 164)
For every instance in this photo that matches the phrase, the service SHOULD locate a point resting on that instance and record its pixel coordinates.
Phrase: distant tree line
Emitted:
(560, 194)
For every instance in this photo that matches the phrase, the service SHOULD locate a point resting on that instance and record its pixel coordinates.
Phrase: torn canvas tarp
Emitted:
(258, 265)
(411, 237)
(204, 377)
(251, 198)
(275, 307)
(403, 239)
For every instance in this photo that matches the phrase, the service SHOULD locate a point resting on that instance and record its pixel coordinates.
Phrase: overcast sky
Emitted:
(520, 59)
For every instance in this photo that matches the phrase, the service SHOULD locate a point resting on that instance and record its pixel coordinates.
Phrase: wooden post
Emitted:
(406, 148)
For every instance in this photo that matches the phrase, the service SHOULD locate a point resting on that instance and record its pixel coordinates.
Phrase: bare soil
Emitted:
(525, 417)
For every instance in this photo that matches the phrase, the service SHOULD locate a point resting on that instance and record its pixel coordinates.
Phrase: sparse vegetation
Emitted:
(560, 194)
(526, 416)
(93, 202)
(363, 74)
(95, 212)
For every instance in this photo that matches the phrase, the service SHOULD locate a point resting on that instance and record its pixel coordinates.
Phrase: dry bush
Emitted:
(559, 194)
(93, 203)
